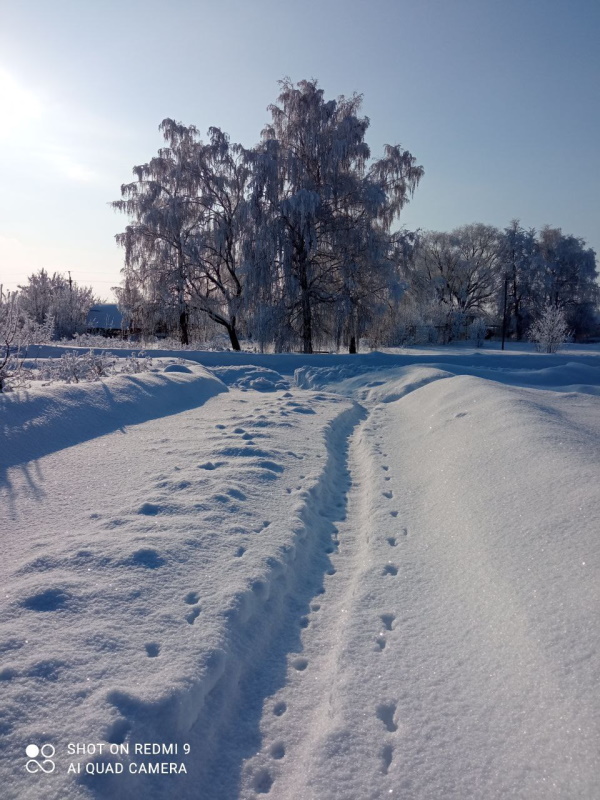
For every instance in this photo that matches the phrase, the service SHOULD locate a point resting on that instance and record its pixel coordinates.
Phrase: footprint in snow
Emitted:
(390, 569)
(47, 600)
(388, 494)
(240, 552)
(152, 649)
(393, 513)
(387, 753)
(392, 541)
(388, 621)
(117, 732)
(380, 642)
(277, 750)
(279, 709)
(191, 598)
(262, 781)
(192, 615)
(147, 558)
(300, 664)
(385, 712)
(150, 509)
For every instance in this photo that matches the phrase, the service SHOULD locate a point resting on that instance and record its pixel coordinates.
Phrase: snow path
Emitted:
(323, 723)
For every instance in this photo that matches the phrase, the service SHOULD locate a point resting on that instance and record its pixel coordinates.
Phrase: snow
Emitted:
(331, 577)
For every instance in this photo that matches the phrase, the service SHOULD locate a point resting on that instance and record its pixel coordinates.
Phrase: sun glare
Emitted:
(18, 105)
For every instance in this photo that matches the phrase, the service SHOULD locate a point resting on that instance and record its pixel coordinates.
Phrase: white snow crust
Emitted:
(334, 578)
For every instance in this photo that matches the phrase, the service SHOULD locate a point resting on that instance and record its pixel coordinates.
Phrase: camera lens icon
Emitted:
(40, 758)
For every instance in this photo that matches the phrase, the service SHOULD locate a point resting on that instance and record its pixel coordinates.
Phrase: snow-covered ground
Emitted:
(305, 578)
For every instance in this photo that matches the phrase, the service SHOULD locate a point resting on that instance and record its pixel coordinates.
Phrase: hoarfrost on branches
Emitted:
(550, 330)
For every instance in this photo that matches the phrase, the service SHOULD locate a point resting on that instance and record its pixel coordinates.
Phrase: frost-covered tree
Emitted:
(461, 266)
(520, 266)
(461, 270)
(568, 278)
(550, 330)
(188, 212)
(322, 215)
(59, 299)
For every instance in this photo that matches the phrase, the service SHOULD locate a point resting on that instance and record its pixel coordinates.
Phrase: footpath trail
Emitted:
(328, 728)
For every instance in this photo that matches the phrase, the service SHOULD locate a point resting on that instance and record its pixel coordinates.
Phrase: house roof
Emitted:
(105, 317)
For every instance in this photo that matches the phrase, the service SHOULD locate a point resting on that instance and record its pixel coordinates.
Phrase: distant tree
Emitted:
(461, 269)
(56, 301)
(550, 330)
(568, 278)
(520, 266)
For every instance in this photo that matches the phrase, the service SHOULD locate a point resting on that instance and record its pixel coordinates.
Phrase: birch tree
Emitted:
(324, 212)
(185, 241)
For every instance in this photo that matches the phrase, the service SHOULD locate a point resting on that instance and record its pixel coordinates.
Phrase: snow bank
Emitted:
(496, 604)
(40, 421)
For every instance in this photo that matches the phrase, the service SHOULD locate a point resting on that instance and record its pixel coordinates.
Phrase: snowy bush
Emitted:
(73, 367)
(95, 340)
(135, 363)
(550, 331)
(10, 361)
(17, 331)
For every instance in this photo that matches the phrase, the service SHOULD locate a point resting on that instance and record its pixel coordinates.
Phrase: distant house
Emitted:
(106, 320)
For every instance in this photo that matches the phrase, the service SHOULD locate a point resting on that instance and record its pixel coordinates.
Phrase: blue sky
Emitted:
(498, 100)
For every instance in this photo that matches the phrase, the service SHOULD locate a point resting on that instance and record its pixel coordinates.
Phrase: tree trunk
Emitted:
(183, 327)
(306, 318)
(352, 347)
(233, 337)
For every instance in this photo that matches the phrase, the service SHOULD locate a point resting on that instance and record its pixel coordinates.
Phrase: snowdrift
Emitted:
(36, 422)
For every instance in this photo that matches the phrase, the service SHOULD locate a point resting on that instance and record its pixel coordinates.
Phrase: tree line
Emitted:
(295, 243)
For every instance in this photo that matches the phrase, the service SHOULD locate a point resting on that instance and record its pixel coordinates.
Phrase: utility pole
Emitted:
(504, 312)
(70, 300)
